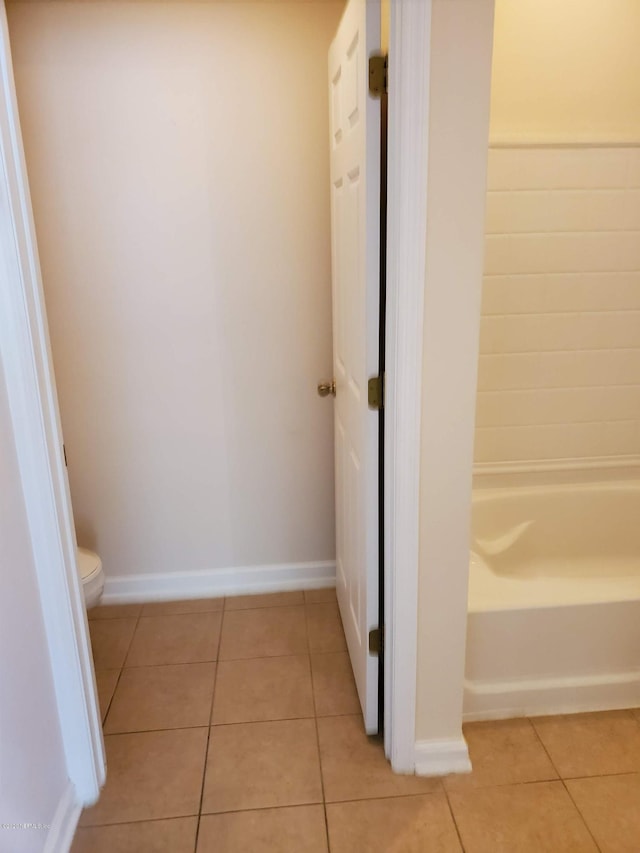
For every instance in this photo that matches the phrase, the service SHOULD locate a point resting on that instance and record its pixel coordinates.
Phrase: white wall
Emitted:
(458, 134)
(177, 156)
(33, 774)
(559, 375)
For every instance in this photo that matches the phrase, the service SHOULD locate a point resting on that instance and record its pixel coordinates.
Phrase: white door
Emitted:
(355, 233)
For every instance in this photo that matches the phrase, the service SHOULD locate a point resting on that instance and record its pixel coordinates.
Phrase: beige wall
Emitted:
(33, 774)
(385, 16)
(178, 160)
(566, 70)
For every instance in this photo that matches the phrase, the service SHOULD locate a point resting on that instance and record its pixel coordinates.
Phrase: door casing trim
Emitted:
(26, 357)
(408, 141)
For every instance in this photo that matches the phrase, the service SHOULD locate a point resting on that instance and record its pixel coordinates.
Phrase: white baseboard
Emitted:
(439, 757)
(64, 823)
(211, 583)
(541, 696)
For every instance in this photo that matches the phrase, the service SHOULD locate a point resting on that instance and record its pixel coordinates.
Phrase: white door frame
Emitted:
(33, 406)
(409, 55)
(25, 351)
(440, 81)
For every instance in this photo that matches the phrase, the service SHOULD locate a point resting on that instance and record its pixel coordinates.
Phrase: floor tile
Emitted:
(151, 775)
(106, 680)
(610, 806)
(272, 599)
(175, 638)
(333, 685)
(319, 596)
(162, 697)
(110, 641)
(191, 605)
(417, 824)
(591, 744)
(158, 836)
(354, 766)
(502, 752)
(535, 818)
(325, 628)
(114, 611)
(262, 765)
(289, 830)
(276, 688)
(267, 632)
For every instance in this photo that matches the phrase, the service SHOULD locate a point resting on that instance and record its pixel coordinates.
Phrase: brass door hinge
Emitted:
(375, 389)
(376, 639)
(378, 75)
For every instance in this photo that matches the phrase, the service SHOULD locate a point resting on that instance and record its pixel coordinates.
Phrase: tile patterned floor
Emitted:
(233, 726)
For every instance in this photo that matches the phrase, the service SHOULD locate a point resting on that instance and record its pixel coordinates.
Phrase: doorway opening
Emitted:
(149, 210)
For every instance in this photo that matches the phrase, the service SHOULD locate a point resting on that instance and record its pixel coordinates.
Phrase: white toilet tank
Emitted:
(92, 576)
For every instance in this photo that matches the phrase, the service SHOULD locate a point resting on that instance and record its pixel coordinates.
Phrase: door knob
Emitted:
(327, 388)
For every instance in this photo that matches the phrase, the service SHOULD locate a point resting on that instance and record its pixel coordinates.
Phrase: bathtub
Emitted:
(554, 600)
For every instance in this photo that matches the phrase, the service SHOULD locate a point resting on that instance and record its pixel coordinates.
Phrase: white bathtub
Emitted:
(554, 600)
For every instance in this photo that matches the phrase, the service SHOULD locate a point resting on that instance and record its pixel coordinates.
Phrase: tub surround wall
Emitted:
(178, 161)
(559, 371)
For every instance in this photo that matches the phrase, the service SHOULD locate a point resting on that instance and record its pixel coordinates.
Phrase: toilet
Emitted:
(92, 576)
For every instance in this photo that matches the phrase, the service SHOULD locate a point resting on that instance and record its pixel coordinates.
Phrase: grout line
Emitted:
(601, 776)
(557, 232)
(154, 615)
(559, 351)
(259, 722)
(315, 713)
(618, 190)
(207, 660)
(140, 820)
(542, 744)
(508, 389)
(518, 313)
(173, 663)
(156, 731)
(582, 817)
(262, 657)
(522, 784)
(544, 274)
(156, 665)
(575, 313)
(133, 634)
(266, 809)
(108, 708)
(561, 388)
(113, 695)
(453, 818)
(332, 802)
(563, 424)
(561, 779)
(206, 751)
(556, 351)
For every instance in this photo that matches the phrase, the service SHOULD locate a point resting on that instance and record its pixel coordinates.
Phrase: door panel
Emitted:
(355, 227)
